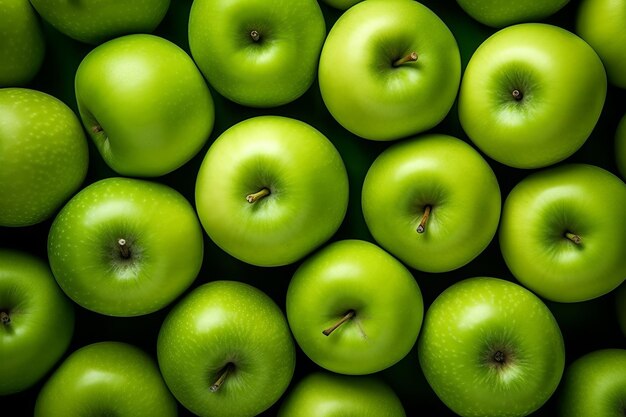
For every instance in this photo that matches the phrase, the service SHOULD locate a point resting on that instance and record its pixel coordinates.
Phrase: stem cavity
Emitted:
(573, 237)
(412, 57)
(221, 377)
(251, 198)
(5, 318)
(422, 226)
(517, 94)
(344, 319)
(122, 245)
(255, 35)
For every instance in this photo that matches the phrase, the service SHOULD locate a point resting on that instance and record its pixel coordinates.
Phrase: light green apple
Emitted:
(225, 350)
(43, 156)
(531, 95)
(144, 103)
(341, 4)
(500, 13)
(389, 69)
(256, 52)
(125, 247)
(620, 146)
(491, 348)
(563, 232)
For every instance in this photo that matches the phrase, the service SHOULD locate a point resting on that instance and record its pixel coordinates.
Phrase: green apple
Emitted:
(125, 247)
(22, 46)
(389, 69)
(144, 103)
(620, 146)
(341, 4)
(328, 395)
(601, 23)
(225, 351)
(531, 95)
(106, 379)
(432, 201)
(345, 316)
(270, 190)
(595, 385)
(43, 156)
(491, 348)
(36, 321)
(499, 13)
(563, 232)
(95, 21)
(256, 52)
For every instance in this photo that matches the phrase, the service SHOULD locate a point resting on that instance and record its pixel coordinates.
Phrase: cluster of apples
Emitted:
(273, 192)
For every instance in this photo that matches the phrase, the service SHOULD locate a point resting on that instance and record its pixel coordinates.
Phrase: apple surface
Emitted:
(491, 348)
(345, 316)
(255, 52)
(389, 69)
(106, 379)
(36, 321)
(144, 104)
(563, 232)
(342, 4)
(270, 190)
(43, 156)
(531, 95)
(125, 247)
(225, 350)
(432, 201)
(620, 146)
(498, 13)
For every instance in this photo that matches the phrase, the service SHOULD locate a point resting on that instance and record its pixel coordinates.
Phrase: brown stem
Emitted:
(251, 198)
(334, 327)
(573, 237)
(123, 247)
(412, 57)
(422, 226)
(5, 318)
(255, 35)
(517, 94)
(221, 377)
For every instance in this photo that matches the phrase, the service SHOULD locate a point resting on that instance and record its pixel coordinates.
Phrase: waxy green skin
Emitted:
(330, 395)
(306, 178)
(144, 104)
(438, 171)
(162, 233)
(563, 86)
(498, 13)
(22, 46)
(342, 4)
(363, 90)
(620, 146)
(43, 158)
(585, 200)
(106, 379)
(273, 70)
(358, 276)
(95, 21)
(463, 329)
(41, 321)
(216, 324)
(595, 385)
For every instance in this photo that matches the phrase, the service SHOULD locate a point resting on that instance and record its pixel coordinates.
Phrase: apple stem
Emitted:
(123, 247)
(412, 57)
(422, 226)
(517, 94)
(251, 198)
(573, 237)
(221, 378)
(97, 129)
(344, 319)
(5, 318)
(255, 35)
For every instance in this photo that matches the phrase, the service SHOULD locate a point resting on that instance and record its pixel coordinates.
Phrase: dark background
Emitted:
(586, 326)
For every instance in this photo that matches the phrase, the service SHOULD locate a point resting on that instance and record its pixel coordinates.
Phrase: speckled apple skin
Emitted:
(498, 13)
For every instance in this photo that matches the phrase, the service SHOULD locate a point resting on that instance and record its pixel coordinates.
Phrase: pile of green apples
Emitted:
(375, 208)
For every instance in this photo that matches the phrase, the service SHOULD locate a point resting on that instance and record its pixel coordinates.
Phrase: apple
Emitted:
(270, 190)
(498, 13)
(345, 316)
(329, 395)
(144, 103)
(254, 52)
(22, 45)
(595, 385)
(225, 350)
(36, 321)
(531, 95)
(341, 4)
(620, 146)
(432, 201)
(125, 247)
(601, 23)
(389, 69)
(491, 348)
(43, 156)
(563, 232)
(106, 379)
(95, 21)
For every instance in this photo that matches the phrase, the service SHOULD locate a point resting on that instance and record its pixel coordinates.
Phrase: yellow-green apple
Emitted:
(498, 13)
(341, 4)
(620, 146)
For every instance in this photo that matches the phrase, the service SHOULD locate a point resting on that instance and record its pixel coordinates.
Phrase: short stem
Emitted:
(221, 377)
(123, 247)
(412, 57)
(255, 35)
(517, 94)
(5, 318)
(251, 198)
(334, 327)
(422, 226)
(573, 237)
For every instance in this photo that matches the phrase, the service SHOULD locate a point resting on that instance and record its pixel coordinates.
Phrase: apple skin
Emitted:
(341, 4)
(273, 70)
(346, 276)
(595, 385)
(308, 186)
(95, 21)
(222, 323)
(144, 104)
(329, 395)
(363, 90)
(464, 329)
(585, 200)
(563, 88)
(162, 233)
(498, 13)
(44, 156)
(106, 379)
(620, 146)
(438, 171)
(41, 321)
